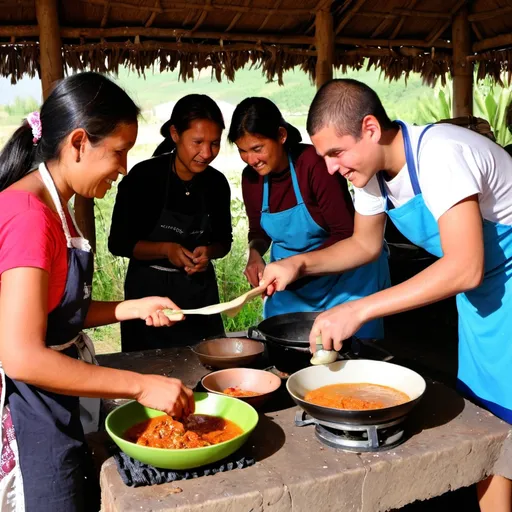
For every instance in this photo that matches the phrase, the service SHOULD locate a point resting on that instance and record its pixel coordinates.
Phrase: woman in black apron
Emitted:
(44, 355)
(171, 218)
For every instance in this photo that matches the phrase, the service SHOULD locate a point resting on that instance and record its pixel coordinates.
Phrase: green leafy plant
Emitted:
(434, 107)
(490, 102)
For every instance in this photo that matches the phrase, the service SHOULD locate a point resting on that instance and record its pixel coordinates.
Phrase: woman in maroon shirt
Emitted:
(295, 205)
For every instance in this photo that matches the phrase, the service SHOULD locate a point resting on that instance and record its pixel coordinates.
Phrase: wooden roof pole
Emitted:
(462, 67)
(50, 45)
(324, 42)
(51, 65)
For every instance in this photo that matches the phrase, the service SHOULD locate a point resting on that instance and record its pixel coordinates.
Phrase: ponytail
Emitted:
(294, 138)
(17, 156)
(167, 145)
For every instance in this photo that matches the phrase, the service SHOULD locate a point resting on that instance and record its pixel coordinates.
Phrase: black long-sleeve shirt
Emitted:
(141, 197)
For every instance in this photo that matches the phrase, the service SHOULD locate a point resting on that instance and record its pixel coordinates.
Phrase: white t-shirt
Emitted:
(454, 163)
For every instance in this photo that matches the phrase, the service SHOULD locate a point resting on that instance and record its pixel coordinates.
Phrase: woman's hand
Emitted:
(336, 325)
(166, 394)
(254, 268)
(200, 260)
(148, 309)
(179, 256)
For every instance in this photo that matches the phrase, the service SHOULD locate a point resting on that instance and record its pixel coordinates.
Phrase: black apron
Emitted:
(145, 279)
(56, 468)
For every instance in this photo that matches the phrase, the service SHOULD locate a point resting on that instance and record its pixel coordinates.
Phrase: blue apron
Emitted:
(57, 470)
(485, 319)
(294, 231)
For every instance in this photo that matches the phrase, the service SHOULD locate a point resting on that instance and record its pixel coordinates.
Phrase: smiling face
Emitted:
(263, 154)
(196, 147)
(101, 163)
(357, 160)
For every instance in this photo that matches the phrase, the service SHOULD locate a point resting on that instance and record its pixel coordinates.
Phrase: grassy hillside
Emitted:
(294, 98)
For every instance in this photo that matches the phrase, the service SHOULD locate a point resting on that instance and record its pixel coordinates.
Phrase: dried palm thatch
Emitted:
(395, 36)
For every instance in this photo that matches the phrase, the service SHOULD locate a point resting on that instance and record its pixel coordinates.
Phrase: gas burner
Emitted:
(355, 438)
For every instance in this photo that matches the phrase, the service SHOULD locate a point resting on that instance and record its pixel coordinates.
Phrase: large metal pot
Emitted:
(356, 372)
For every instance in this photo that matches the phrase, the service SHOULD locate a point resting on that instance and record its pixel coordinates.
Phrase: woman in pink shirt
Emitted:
(77, 144)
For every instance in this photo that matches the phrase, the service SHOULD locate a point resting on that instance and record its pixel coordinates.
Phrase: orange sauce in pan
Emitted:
(237, 392)
(196, 431)
(356, 397)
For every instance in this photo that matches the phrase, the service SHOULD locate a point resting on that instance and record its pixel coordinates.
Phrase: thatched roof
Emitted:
(396, 36)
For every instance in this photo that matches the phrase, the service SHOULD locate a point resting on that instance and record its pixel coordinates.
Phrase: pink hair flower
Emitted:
(34, 122)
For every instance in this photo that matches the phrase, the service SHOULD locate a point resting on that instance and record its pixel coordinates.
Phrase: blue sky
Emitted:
(24, 88)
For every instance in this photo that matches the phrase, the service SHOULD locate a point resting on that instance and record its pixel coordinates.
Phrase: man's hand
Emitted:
(336, 325)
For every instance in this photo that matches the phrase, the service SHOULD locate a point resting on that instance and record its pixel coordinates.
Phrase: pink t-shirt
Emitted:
(31, 235)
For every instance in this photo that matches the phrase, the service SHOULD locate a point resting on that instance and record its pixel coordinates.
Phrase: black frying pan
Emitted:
(289, 330)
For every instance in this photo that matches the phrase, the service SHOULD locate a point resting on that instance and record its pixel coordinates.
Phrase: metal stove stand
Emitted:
(354, 437)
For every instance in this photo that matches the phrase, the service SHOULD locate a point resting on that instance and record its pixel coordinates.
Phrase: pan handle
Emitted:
(300, 419)
(254, 334)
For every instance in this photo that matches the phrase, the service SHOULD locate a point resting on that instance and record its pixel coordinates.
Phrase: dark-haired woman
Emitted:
(172, 218)
(76, 144)
(294, 205)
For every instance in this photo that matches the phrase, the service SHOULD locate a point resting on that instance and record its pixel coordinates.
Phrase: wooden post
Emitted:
(462, 68)
(50, 46)
(51, 66)
(324, 42)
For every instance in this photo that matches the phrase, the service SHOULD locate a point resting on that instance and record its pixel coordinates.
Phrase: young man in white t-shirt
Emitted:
(447, 189)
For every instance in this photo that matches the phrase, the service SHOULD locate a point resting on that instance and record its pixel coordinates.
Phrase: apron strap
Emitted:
(412, 168)
(84, 346)
(264, 206)
(295, 183)
(80, 242)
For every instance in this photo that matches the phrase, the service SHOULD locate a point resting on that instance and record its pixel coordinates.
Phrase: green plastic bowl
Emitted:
(125, 416)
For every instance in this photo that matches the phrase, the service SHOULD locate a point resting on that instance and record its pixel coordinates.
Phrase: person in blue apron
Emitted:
(294, 206)
(46, 271)
(448, 190)
(172, 217)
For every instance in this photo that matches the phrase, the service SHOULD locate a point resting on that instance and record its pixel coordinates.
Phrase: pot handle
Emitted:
(254, 334)
(300, 419)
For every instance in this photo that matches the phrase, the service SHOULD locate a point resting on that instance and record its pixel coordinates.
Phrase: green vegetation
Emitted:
(490, 103)
(399, 98)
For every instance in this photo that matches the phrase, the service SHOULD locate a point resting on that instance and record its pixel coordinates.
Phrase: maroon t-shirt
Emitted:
(326, 197)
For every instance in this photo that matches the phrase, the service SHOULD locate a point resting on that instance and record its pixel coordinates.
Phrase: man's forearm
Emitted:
(342, 256)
